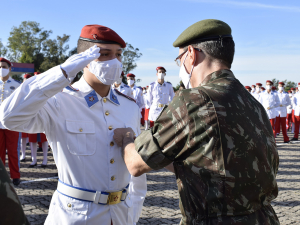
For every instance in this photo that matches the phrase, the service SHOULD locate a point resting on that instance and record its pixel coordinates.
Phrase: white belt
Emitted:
(97, 197)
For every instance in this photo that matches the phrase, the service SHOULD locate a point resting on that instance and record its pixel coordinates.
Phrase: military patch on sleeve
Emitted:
(119, 93)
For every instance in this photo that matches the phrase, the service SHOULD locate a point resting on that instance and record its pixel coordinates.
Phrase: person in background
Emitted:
(252, 89)
(147, 108)
(121, 87)
(289, 109)
(257, 92)
(284, 102)
(9, 140)
(248, 89)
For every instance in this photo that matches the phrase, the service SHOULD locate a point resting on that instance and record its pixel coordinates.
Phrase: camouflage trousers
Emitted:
(264, 216)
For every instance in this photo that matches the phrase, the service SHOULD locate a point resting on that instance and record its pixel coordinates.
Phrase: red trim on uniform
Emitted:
(146, 114)
(151, 123)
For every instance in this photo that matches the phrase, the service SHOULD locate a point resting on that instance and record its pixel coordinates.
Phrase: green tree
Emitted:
(288, 84)
(29, 43)
(3, 50)
(129, 57)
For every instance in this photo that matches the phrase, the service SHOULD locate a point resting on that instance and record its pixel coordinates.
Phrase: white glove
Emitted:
(77, 62)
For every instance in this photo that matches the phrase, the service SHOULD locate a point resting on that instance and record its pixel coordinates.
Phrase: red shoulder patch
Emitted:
(119, 93)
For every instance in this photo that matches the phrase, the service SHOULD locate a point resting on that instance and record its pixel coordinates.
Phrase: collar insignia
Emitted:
(91, 99)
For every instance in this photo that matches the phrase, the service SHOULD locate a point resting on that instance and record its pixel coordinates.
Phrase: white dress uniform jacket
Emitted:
(138, 96)
(289, 108)
(270, 100)
(123, 88)
(159, 95)
(284, 102)
(296, 103)
(7, 88)
(79, 126)
(257, 96)
(147, 104)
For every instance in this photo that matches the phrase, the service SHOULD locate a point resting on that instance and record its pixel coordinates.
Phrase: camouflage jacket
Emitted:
(11, 211)
(221, 143)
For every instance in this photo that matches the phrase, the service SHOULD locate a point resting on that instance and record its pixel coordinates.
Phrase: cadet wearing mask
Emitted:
(160, 94)
(258, 91)
(296, 103)
(217, 138)
(9, 140)
(248, 88)
(289, 109)
(284, 102)
(79, 123)
(270, 101)
(121, 87)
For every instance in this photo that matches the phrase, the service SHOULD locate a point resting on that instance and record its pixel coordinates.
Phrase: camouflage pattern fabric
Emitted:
(221, 143)
(11, 212)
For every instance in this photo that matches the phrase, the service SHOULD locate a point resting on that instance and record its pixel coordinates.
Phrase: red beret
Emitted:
(289, 91)
(161, 68)
(273, 88)
(27, 75)
(247, 87)
(101, 34)
(292, 89)
(268, 81)
(281, 83)
(262, 88)
(297, 88)
(147, 86)
(37, 73)
(5, 60)
(298, 83)
(130, 75)
(122, 73)
(258, 84)
(252, 85)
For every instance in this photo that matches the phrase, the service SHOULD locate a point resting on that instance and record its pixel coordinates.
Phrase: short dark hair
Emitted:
(83, 45)
(219, 50)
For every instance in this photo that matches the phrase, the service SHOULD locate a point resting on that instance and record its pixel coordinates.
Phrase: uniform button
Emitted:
(107, 113)
(112, 161)
(69, 205)
(110, 128)
(113, 178)
(104, 100)
(112, 143)
(80, 129)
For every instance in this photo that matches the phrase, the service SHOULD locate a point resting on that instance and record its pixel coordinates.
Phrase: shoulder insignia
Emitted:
(19, 82)
(70, 88)
(119, 93)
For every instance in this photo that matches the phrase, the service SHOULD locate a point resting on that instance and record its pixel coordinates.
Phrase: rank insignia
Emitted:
(91, 99)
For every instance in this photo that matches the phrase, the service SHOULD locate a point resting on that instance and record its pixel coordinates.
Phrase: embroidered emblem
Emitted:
(91, 99)
(95, 36)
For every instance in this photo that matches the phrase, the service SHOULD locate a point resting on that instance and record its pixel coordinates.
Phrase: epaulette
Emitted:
(140, 88)
(17, 81)
(125, 85)
(70, 88)
(119, 93)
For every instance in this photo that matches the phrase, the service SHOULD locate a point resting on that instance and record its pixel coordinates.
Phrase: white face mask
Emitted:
(161, 75)
(4, 72)
(268, 87)
(290, 95)
(280, 88)
(257, 89)
(130, 82)
(107, 71)
(185, 77)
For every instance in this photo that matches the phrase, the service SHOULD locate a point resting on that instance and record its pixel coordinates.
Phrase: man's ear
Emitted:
(191, 55)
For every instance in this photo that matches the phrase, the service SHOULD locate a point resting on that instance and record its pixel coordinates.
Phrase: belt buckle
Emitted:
(160, 105)
(114, 198)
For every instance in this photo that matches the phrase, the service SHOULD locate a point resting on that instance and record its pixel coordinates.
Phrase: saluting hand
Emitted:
(123, 136)
(77, 62)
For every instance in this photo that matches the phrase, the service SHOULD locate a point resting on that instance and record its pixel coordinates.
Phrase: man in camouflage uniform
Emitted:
(11, 212)
(215, 134)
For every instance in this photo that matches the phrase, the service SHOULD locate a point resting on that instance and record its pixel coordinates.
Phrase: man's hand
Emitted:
(77, 62)
(123, 136)
(280, 105)
(268, 108)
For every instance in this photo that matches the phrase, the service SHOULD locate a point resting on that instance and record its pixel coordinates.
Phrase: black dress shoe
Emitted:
(23, 160)
(39, 149)
(294, 139)
(286, 142)
(31, 166)
(16, 181)
(43, 165)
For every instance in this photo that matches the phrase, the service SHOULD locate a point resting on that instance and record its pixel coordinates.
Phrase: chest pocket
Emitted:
(81, 137)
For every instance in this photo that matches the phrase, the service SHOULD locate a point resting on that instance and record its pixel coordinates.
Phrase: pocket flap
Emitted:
(80, 127)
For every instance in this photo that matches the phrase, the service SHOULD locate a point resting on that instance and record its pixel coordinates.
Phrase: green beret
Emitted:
(203, 30)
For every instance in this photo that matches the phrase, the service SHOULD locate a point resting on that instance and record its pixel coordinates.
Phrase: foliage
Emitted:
(3, 50)
(288, 84)
(129, 57)
(29, 43)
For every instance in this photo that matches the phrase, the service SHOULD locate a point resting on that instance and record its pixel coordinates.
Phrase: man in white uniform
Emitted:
(270, 101)
(289, 109)
(79, 124)
(9, 140)
(284, 102)
(147, 108)
(252, 89)
(296, 103)
(257, 91)
(121, 87)
(160, 94)
(248, 88)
